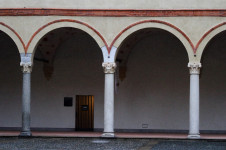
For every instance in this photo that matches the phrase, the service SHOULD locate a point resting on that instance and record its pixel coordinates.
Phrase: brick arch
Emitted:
(155, 24)
(207, 37)
(42, 31)
(14, 36)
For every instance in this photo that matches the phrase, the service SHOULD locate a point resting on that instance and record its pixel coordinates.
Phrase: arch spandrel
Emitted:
(207, 37)
(160, 25)
(40, 33)
(14, 36)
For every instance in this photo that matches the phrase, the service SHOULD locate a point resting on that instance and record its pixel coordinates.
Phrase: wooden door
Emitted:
(84, 112)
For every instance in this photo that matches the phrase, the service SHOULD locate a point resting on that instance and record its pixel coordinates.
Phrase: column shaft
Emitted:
(194, 105)
(109, 70)
(109, 104)
(194, 102)
(26, 100)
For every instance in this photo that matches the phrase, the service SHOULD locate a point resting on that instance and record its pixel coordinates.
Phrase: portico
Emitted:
(147, 69)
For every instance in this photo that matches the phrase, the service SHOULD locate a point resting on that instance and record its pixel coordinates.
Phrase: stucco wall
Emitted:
(77, 71)
(11, 83)
(109, 29)
(155, 91)
(213, 85)
(115, 4)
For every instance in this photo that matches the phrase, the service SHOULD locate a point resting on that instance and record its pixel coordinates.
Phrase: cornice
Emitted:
(112, 12)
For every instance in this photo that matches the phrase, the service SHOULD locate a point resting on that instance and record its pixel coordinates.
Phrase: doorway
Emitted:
(84, 112)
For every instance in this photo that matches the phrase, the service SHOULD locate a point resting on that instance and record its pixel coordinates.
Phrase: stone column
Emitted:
(26, 98)
(109, 70)
(194, 101)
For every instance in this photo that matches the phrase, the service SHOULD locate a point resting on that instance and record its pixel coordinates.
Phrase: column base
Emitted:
(194, 136)
(25, 134)
(108, 135)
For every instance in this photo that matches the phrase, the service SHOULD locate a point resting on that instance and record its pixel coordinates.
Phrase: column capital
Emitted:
(26, 67)
(194, 68)
(26, 62)
(109, 67)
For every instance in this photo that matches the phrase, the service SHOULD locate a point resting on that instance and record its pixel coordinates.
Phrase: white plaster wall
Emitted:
(11, 83)
(115, 4)
(108, 27)
(213, 85)
(77, 71)
(156, 89)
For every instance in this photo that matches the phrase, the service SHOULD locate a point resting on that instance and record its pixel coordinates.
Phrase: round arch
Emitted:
(41, 32)
(155, 24)
(207, 37)
(14, 36)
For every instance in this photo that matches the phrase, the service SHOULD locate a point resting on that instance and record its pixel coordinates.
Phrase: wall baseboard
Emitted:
(116, 130)
(10, 128)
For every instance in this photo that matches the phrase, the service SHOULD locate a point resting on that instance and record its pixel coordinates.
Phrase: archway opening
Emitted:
(212, 85)
(67, 64)
(152, 83)
(11, 84)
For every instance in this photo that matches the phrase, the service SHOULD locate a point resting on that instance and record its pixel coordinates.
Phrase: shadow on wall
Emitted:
(155, 92)
(11, 83)
(68, 62)
(213, 85)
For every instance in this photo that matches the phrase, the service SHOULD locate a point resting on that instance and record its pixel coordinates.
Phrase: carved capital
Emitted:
(26, 67)
(109, 67)
(194, 68)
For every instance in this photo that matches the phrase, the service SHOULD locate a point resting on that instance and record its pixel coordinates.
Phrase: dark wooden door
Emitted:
(84, 112)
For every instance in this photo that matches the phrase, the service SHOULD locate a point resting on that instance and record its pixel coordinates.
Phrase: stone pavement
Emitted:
(117, 134)
(40, 143)
(190, 145)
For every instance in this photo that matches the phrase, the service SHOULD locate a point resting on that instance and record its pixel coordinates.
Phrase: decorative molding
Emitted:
(109, 48)
(194, 68)
(154, 21)
(207, 33)
(10, 28)
(112, 12)
(65, 20)
(109, 67)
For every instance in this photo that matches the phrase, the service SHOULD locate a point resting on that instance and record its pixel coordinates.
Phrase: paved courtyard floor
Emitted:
(40, 143)
(117, 134)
